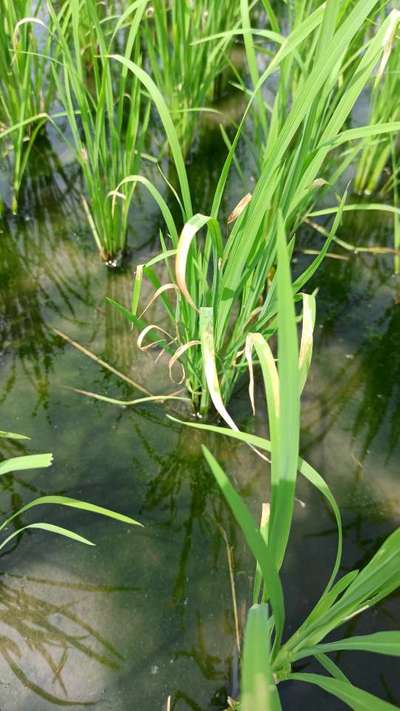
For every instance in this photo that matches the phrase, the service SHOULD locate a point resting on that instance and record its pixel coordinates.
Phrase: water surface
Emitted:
(148, 612)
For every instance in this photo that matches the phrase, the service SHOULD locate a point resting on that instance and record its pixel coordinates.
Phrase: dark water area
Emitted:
(147, 614)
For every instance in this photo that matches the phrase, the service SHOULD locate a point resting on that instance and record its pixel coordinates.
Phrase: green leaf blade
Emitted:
(254, 540)
(28, 461)
(346, 692)
(258, 691)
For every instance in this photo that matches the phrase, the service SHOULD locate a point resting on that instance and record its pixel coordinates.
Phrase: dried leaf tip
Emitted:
(237, 211)
(319, 183)
(388, 42)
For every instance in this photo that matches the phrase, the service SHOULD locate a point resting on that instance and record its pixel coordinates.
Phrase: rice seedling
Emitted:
(188, 73)
(106, 115)
(223, 285)
(267, 661)
(26, 89)
(376, 155)
(40, 461)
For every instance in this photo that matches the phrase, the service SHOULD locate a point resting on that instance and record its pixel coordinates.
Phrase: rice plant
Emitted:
(231, 269)
(106, 116)
(40, 461)
(268, 117)
(267, 661)
(376, 155)
(188, 72)
(26, 89)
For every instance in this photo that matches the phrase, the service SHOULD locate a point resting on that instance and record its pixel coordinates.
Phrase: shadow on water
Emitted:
(48, 634)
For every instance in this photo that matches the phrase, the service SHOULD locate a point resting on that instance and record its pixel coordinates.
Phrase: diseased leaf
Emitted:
(210, 370)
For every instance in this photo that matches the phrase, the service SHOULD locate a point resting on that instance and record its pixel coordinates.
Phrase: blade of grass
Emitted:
(71, 503)
(254, 540)
(258, 691)
(378, 643)
(50, 528)
(28, 461)
(346, 692)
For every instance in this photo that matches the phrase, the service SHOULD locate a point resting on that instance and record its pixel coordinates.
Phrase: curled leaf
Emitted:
(180, 351)
(190, 230)
(161, 290)
(210, 369)
(145, 331)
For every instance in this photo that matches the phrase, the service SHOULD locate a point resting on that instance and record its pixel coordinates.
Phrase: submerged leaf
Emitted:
(12, 435)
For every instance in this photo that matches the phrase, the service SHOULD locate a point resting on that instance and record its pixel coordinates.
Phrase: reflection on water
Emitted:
(148, 614)
(184, 470)
(354, 389)
(41, 639)
(38, 277)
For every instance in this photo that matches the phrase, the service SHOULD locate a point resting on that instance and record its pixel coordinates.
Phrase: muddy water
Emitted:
(148, 612)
